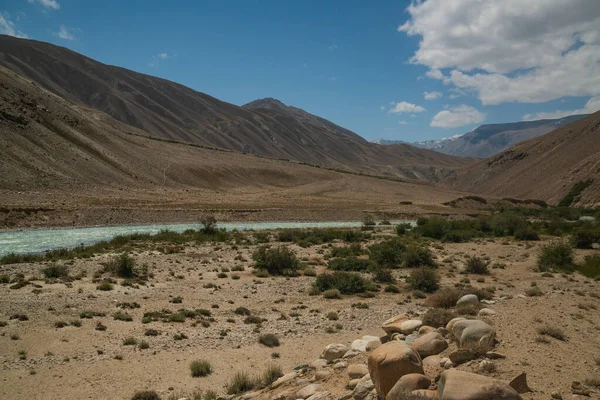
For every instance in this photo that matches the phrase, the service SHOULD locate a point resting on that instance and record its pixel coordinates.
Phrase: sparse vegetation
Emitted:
(424, 279)
(200, 368)
(269, 340)
(55, 271)
(437, 317)
(590, 266)
(556, 256)
(276, 261)
(146, 395)
(554, 332)
(345, 282)
(240, 383)
(476, 265)
(272, 373)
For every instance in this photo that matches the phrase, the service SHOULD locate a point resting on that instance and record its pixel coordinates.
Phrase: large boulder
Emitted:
(390, 362)
(472, 334)
(366, 343)
(461, 385)
(408, 327)
(430, 344)
(392, 325)
(334, 351)
(407, 384)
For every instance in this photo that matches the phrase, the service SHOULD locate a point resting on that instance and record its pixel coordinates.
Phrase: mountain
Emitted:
(491, 139)
(545, 168)
(64, 163)
(172, 111)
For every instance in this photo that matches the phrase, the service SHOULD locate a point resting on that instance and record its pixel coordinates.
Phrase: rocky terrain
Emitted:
(65, 338)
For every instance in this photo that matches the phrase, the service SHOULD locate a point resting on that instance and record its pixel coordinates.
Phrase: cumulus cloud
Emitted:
(50, 4)
(404, 107)
(402, 123)
(432, 95)
(455, 117)
(65, 33)
(590, 107)
(7, 27)
(510, 50)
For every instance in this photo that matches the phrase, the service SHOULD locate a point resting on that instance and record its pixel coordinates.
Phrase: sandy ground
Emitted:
(66, 362)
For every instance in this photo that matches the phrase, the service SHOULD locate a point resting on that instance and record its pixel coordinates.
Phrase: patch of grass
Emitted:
(199, 368)
(424, 279)
(242, 311)
(556, 256)
(534, 291)
(130, 341)
(240, 383)
(105, 286)
(556, 333)
(272, 373)
(269, 340)
(122, 316)
(252, 319)
(55, 271)
(332, 294)
(145, 395)
(345, 282)
(391, 289)
(332, 316)
(309, 237)
(143, 345)
(276, 261)
(476, 265)
(90, 314)
(590, 266)
(353, 250)
(60, 324)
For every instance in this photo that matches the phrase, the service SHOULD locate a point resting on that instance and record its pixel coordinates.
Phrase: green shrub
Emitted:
(424, 279)
(56, 271)
(252, 319)
(130, 341)
(123, 266)
(350, 264)
(240, 383)
(146, 395)
(416, 256)
(209, 224)
(447, 296)
(332, 294)
(574, 193)
(383, 275)
(558, 256)
(347, 251)
(526, 234)
(307, 237)
(242, 311)
(437, 317)
(105, 286)
(269, 340)
(345, 282)
(388, 253)
(200, 368)
(276, 261)
(391, 289)
(585, 237)
(476, 265)
(401, 229)
(590, 266)
(122, 316)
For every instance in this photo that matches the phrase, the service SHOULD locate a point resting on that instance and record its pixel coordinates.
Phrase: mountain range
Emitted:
(491, 139)
(172, 111)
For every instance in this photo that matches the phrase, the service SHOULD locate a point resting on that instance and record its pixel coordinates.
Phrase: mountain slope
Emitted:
(543, 168)
(487, 140)
(169, 110)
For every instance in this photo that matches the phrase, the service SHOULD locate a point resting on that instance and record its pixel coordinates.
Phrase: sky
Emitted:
(398, 70)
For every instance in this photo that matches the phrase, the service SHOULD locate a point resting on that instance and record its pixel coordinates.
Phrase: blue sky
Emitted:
(363, 65)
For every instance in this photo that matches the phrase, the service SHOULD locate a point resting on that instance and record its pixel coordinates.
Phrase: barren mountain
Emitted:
(545, 168)
(491, 139)
(78, 166)
(172, 111)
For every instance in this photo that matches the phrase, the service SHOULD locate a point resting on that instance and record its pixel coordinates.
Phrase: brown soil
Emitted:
(75, 369)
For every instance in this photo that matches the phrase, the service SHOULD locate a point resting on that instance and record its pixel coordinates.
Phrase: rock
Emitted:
(307, 391)
(449, 364)
(473, 334)
(359, 345)
(319, 396)
(322, 375)
(492, 355)
(556, 395)
(352, 384)
(462, 355)
(407, 384)
(357, 370)
(334, 351)
(484, 301)
(392, 325)
(461, 385)
(426, 329)
(389, 362)
(578, 388)
(367, 343)
(248, 396)
(340, 365)
(425, 394)
(368, 338)
(398, 336)
(373, 344)
(430, 344)
(467, 299)
(519, 383)
(363, 388)
(410, 326)
(284, 379)
(302, 382)
(287, 394)
(318, 364)
(410, 339)
(521, 296)
(442, 361)
(351, 354)
(486, 312)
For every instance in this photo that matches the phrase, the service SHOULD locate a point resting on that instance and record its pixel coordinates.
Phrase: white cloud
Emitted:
(52, 4)
(510, 50)
(404, 107)
(402, 123)
(455, 117)
(7, 27)
(382, 108)
(163, 56)
(156, 58)
(65, 33)
(432, 95)
(590, 107)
